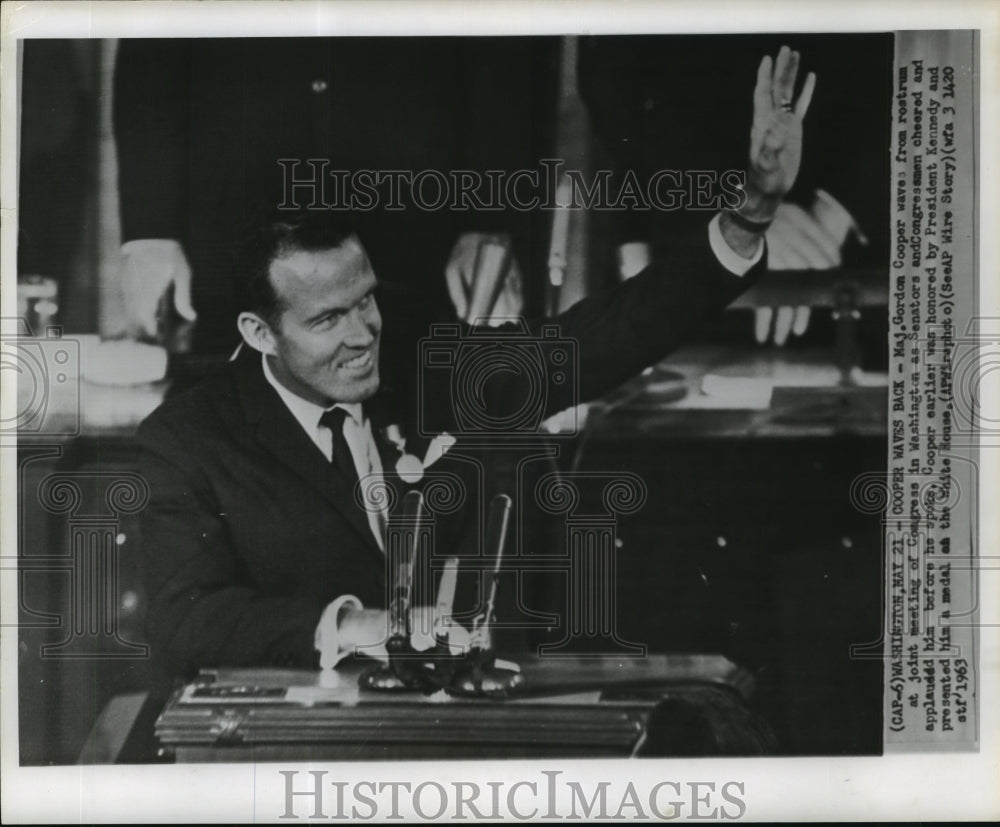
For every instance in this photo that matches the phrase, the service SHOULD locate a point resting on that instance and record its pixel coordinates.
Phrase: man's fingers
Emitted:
(785, 67)
(779, 67)
(787, 80)
(762, 91)
(762, 323)
(756, 140)
(783, 325)
(801, 322)
(802, 106)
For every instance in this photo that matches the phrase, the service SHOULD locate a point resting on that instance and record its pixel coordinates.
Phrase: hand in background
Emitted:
(801, 239)
(484, 280)
(149, 267)
(632, 257)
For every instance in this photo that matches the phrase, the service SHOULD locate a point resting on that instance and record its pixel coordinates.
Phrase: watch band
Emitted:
(748, 224)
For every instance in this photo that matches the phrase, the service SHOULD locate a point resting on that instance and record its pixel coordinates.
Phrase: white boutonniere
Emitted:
(408, 467)
(438, 447)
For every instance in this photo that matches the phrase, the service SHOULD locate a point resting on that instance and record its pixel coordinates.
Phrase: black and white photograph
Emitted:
(483, 412)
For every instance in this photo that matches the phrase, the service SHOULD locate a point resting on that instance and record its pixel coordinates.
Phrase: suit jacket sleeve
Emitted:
(620, 331)
(151, 117)
(612, 335)
(201, 612)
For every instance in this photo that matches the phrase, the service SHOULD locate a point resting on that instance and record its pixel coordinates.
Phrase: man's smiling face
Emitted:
(326, 339)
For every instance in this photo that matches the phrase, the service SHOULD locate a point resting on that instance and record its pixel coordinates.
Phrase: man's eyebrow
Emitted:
(327, 311)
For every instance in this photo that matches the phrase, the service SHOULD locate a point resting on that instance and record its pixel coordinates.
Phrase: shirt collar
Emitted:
(307, 413)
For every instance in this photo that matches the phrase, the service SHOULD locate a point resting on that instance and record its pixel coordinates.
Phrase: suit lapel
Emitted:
(279, 432)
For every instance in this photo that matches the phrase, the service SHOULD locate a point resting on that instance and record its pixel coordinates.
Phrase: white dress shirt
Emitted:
(357, 433)
(727, 256)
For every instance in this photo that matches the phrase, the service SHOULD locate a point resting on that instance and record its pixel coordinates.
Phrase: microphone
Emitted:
(401, 562)
(559, 243)
(496, 539)
(482, 675)
(445, 604)
(403, 671)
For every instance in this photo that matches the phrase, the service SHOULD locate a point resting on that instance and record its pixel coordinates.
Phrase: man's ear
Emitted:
(256, 332)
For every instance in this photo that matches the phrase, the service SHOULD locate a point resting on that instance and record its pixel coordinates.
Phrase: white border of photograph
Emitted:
(919, 786)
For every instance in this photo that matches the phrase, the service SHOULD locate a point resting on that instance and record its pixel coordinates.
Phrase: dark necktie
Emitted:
(342, 458)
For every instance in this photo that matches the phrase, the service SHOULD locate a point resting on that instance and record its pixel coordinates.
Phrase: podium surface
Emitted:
(570, 707)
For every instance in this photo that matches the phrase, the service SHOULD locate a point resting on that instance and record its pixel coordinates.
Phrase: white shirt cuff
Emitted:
(327, 640)
(727, 256)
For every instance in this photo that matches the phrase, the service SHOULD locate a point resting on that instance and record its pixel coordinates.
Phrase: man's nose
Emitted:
(360, 332)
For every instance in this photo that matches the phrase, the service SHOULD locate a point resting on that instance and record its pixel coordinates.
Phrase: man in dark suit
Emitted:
(257, 552)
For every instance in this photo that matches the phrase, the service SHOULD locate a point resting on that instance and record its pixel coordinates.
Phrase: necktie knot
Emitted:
(333, 419)
(341, 459)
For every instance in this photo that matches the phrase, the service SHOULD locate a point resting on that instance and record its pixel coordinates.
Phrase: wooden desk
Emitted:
(567, 707)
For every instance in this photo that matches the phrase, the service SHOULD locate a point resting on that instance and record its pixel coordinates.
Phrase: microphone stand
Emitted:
(475, 673)
(480, 675)
(405, 669)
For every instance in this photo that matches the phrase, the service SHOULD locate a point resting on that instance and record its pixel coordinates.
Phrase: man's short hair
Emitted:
(277, 235)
